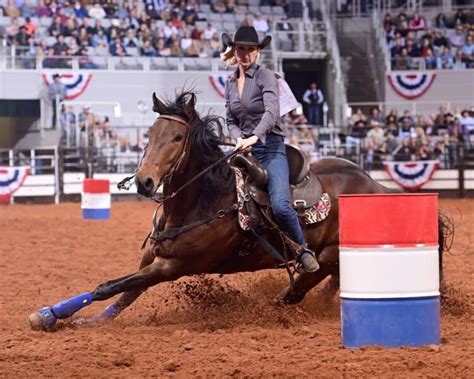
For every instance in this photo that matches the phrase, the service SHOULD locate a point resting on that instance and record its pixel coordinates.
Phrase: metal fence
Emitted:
(58, 172)
(18, 59)
(41, 160)
(45, 169)
(415, 107)
(340, 93)
(364, 8)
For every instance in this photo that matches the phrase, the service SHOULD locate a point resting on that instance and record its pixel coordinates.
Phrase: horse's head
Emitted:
(168, 144)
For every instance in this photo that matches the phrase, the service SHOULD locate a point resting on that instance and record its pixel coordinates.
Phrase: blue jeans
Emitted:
(314, 114)
(273, 156)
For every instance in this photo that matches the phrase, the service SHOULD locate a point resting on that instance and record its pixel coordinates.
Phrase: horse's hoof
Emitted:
(36, 322)
(287, 297)
(44, 319)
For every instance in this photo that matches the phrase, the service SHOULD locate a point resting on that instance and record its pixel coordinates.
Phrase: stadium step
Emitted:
(353, 46)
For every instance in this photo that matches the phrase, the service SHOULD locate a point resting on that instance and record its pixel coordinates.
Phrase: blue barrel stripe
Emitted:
(390, 322)
(96, 214)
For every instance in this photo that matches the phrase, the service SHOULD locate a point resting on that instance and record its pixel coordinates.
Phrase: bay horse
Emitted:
(199, 216)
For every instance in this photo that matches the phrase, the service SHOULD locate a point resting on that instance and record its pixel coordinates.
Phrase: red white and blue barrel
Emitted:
(96, 199)
(389, 270)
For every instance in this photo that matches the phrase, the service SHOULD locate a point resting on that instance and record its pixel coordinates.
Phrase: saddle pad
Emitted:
(317, 213)
(242, 214)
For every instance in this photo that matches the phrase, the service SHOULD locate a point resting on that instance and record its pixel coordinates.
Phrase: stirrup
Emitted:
(311, 263)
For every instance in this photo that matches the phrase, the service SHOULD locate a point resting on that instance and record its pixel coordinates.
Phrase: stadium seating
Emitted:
(430, 43)
(157, 30)
(312, 139)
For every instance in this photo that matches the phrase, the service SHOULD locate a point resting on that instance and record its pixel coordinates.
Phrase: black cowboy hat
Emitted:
(245, 35)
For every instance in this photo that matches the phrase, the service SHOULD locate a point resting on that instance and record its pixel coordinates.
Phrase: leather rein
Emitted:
(158, 235)
(125, 183)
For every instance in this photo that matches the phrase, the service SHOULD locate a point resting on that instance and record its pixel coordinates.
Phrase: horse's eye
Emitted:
(178, 137)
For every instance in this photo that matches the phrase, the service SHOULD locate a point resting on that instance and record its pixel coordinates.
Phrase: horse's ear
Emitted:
(189, 107)
(158, 105)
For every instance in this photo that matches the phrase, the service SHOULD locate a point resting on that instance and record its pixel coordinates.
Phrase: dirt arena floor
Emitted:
(200, 326)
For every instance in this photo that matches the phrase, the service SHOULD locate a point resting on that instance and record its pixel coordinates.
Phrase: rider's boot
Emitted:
(307, 260)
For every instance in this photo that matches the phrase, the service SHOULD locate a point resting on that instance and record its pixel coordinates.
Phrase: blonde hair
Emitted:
(229, 59)
(228, 56)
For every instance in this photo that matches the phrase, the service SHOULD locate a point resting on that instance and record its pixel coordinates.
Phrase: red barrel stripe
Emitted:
(388, 219)
(96, 186)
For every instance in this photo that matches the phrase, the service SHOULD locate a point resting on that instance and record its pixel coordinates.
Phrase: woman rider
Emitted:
(253, 119)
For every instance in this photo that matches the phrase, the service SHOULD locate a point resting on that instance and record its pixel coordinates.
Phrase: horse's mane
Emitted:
(206, 134)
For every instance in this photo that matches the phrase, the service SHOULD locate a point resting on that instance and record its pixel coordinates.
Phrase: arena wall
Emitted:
(446, 181)
(124, 87)
(453, 88)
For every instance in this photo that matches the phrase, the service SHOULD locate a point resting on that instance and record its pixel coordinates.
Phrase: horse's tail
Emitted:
(445, 240)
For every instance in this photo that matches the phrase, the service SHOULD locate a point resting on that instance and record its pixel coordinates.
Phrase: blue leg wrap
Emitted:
(48, 317)
(110, 312)
(68, 307)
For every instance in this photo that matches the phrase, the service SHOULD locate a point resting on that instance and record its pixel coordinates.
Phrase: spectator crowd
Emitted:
(152, 28)
(369, 139)
(55, 30)
(447, 42)
(409, 137)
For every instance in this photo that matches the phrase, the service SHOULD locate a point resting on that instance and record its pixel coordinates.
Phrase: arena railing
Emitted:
(363, 8)
(450, 158)
(420, 64)
(339, 103)
(18, 61)
(380, 38)
(305, 40)
(415, 107)
(303, 43)
(44, 170)
(50, 179)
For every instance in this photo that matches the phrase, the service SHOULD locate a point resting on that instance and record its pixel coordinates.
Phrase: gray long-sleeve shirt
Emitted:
(258, 110)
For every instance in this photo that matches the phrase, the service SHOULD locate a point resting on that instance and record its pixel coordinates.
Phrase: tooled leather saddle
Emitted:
(306, 189)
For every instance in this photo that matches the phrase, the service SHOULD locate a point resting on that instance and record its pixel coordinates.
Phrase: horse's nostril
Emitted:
(149, 185)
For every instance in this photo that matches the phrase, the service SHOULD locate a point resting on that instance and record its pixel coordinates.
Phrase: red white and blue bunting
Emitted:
(411, 85)
(411, 175)
(218, 83)
(76, 83)
(11, 179)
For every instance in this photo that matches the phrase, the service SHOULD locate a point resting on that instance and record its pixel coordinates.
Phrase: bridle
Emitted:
(175, 118)
(174, 168)
(125, 183)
